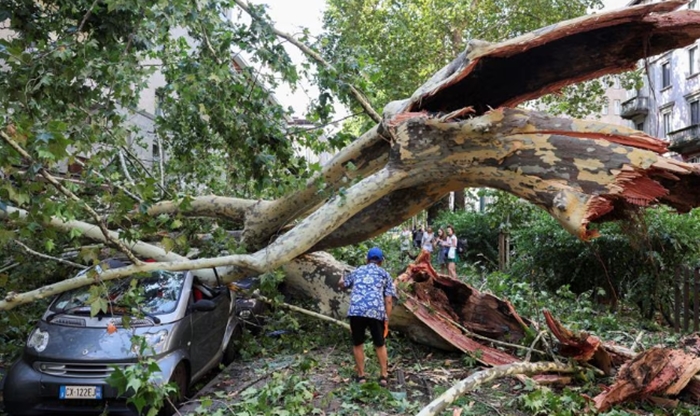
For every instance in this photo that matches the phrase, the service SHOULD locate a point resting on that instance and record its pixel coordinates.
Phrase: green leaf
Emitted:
(134, 384)
(167, 243)
(97, 306)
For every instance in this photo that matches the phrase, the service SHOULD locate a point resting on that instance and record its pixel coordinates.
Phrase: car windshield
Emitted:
(157, 294)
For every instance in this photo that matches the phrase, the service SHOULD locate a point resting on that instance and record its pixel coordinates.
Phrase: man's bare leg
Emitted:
(383, 360)
(358, 351)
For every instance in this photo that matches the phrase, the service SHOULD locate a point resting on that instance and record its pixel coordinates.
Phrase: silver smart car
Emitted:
(190, 328)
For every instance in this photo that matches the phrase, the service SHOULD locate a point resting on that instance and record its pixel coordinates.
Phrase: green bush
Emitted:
(631, 260)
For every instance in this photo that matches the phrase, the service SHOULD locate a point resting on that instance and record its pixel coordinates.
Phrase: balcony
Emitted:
(635, 106)
(685, 140)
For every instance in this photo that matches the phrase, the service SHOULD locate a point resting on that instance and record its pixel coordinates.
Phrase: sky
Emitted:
(290, 16)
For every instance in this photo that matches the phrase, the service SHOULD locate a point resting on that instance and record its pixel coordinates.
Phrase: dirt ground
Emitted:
(414, 381)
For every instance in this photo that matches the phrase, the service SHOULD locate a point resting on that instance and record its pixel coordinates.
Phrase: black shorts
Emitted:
(358, 325)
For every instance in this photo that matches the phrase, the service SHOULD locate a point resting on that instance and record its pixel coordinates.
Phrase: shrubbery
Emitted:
(631, 260)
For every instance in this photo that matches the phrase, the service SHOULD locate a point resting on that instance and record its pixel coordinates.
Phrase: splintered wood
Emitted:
(657, 371)
(456, 311)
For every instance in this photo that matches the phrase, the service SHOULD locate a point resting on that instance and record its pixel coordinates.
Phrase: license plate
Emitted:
(80, 392)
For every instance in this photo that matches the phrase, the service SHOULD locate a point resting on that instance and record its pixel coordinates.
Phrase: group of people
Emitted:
(444, 244)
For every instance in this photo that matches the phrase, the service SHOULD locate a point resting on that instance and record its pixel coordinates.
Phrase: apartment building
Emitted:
(611, 112)
(668, 105)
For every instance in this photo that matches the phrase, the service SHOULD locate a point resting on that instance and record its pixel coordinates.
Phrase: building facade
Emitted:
(668, 105)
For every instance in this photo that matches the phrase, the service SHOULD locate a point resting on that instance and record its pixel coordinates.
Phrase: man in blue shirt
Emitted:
(370, 307)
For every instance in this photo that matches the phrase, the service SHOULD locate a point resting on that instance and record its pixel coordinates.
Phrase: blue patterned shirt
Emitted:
(370, 285)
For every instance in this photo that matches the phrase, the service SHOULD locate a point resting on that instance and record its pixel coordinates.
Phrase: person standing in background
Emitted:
(417, 237)
(427, 240)
(451, 252)
(442, 247)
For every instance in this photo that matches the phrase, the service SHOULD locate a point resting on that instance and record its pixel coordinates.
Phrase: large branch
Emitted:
(214, 206)
(480, 378)
(579, 171)
(94, 232)
(65, 191)
(283, 250)
(506, 74)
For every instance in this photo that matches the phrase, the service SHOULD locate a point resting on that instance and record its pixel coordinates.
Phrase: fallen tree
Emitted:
(465, 118)
(461, 128)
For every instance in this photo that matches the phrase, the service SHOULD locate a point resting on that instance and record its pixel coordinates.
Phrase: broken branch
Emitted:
(481, 377)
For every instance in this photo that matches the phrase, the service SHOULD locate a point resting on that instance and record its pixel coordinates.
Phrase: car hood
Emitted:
(97, 344)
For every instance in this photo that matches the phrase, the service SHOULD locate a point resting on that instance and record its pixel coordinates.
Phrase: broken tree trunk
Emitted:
(457, 313)
(657, 371)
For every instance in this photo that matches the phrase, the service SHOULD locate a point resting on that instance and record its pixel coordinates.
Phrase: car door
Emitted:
(208, 328)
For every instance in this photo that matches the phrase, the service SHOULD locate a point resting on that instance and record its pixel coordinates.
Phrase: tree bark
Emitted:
(460, 202)
(655, 371)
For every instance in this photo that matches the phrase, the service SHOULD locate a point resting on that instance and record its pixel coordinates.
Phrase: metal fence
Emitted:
(686, 298)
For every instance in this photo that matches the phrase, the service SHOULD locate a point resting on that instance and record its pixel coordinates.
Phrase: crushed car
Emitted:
(189, 329)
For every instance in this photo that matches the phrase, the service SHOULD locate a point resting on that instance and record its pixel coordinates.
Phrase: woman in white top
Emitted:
(427, 241)
(452, 253)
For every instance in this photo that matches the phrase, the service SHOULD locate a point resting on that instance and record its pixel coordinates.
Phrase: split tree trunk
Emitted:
(446, 137)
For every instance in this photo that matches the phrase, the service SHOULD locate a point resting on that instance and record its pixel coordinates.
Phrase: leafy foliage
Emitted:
(141, 382)
(636, 260)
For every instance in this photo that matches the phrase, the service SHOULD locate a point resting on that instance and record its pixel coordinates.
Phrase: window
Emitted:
(694, 112)
(692, 60)
(665, 75)
(160, 99)
(666, 122)
(604, 110)
(616, 106)
(155, 152)
(639, 126)
(693, 5)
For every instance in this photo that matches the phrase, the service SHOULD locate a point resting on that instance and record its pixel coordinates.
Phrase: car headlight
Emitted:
(38, 340)
(156, 340)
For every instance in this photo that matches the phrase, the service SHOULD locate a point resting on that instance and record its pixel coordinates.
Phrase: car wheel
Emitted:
(180, 379)
(231, 351)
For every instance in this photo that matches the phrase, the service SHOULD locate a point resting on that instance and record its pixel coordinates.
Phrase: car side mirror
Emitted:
(203, 305)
